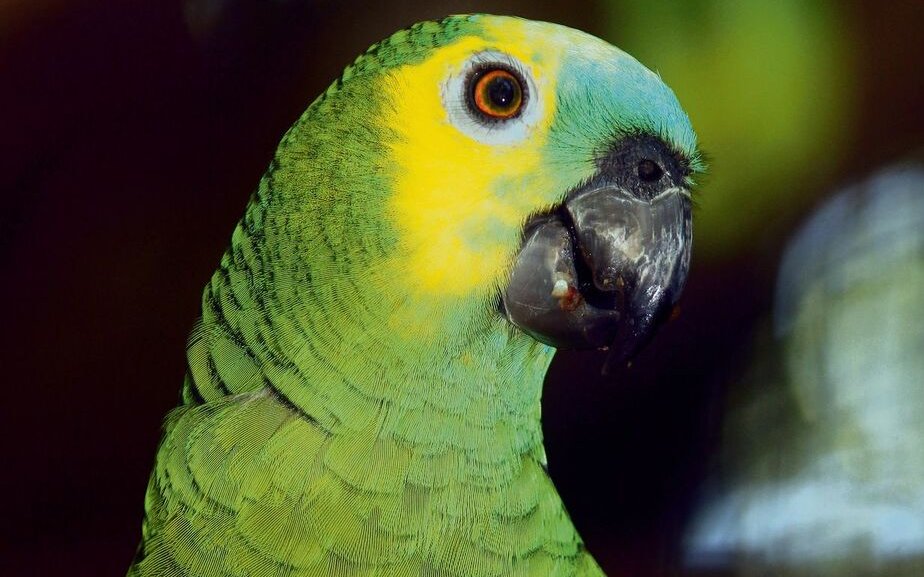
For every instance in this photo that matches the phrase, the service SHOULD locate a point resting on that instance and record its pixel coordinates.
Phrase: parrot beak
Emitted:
(603, 270)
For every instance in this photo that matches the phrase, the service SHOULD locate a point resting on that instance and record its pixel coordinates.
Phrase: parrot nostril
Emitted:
(649, 170)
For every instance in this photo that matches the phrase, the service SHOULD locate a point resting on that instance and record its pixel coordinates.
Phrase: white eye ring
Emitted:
(456, 94)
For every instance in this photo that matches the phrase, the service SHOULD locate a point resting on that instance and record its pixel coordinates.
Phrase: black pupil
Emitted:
(502, 91)
(649, 171)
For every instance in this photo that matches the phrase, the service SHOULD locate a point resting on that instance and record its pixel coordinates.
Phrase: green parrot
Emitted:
(363, 388)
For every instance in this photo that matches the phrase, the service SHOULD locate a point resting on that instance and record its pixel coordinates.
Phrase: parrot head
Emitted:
(491, 170)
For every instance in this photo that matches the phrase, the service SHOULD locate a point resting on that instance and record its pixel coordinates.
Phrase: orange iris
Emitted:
(497, 94)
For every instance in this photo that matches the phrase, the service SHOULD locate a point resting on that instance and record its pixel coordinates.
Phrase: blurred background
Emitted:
(775, 428)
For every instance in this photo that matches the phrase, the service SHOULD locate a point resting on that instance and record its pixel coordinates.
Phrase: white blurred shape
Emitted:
(826, 465)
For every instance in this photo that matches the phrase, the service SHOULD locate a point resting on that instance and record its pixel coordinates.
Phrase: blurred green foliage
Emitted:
(770, 87)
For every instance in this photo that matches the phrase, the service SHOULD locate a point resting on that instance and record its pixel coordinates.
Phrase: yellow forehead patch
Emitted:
(459, 203)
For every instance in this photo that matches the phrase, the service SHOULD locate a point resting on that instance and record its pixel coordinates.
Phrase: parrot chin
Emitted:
(606, 267)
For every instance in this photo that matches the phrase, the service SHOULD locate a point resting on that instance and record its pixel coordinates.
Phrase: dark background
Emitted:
(131, 135)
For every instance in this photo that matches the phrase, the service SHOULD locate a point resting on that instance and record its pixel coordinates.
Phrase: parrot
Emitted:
(363, 388)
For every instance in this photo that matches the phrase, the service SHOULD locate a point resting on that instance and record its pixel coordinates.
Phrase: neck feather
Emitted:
(333, 354)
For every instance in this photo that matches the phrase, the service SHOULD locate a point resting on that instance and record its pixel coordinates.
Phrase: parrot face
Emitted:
(545, 166)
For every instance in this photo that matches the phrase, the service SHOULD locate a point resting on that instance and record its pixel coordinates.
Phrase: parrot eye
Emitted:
(496, 94)
(493, 98)
(649, 170)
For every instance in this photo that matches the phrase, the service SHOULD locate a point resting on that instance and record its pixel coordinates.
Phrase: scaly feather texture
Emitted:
(354, 403)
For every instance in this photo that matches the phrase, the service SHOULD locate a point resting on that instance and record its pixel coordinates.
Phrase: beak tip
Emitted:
(635, 334)
(620, 355)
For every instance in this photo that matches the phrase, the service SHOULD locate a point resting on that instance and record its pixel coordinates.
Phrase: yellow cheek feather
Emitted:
(458, 203)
